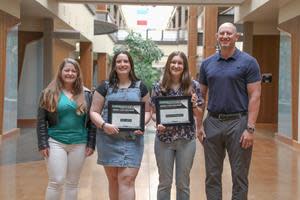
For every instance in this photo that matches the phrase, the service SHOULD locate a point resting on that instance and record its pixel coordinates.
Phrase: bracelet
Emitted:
(102, 125)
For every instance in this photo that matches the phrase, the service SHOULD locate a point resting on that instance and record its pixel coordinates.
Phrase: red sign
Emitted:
(142, 22)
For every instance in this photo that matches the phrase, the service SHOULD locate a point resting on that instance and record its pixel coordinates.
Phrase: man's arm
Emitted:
(200, 131)
(254, 92)
(203, 90)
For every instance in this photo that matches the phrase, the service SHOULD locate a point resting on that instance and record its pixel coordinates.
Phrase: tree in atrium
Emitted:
(144, 53)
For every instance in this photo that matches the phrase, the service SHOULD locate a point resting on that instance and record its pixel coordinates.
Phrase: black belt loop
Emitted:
(227, 116)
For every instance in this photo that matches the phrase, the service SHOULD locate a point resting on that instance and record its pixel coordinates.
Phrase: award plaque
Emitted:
(127, 115)
(174, 110)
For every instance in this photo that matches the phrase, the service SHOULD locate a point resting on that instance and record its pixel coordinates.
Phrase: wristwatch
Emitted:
(250, 129)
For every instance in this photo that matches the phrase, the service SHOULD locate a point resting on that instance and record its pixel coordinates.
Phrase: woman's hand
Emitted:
(138, 132)
(194, 100)
(160, 128)
(88, 151)
(110, 129)
(45, 152)
(201, 134)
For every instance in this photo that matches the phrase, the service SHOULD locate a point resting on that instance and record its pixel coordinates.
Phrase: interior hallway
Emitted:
(274, 173)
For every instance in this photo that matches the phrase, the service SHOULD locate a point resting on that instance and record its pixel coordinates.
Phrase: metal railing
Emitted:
(155, 35)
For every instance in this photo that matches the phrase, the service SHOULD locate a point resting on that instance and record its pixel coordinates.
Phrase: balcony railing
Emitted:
(156, 35)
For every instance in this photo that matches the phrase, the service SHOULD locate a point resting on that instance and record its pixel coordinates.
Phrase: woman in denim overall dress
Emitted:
(119, 152)
(176, 144)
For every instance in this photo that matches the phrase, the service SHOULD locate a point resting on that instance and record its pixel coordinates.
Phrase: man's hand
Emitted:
(246, 139)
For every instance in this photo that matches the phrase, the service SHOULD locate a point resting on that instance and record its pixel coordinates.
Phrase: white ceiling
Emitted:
(161, 2)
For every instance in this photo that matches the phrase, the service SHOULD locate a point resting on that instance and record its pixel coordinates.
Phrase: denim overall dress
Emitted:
(123, 149)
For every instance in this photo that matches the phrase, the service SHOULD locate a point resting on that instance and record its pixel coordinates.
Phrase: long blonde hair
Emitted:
(50, 95)
(186, 80)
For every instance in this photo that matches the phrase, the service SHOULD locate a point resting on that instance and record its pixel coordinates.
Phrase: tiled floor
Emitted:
(274, 173)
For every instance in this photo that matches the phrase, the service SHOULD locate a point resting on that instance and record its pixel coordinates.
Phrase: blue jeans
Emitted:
(182, 152)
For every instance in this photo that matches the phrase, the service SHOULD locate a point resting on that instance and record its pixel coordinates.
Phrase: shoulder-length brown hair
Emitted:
(186, 80)
(50, 95)
(113, 76)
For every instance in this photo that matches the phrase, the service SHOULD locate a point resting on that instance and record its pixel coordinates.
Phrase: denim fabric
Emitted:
(181, 152)
(114, 150)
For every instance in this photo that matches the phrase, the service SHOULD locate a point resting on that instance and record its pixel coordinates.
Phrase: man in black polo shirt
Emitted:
(233, 80)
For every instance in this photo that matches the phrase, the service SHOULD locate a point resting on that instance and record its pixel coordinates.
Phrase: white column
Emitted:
(183, 25)
(177, 19)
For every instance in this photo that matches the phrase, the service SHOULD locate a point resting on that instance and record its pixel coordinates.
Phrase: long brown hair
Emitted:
(50, 95)
(113, 76)
(186, 80)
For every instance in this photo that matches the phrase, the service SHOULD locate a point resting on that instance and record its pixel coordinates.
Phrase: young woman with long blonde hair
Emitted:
(65, 133)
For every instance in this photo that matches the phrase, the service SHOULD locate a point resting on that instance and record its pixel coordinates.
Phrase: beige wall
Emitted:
(247, 7)
(31, 24)
(103, 44)
(62, 51)
(265, 29)
(68, 13)
(168, 49)
(289, 11)
(12, 7)
(83, 22)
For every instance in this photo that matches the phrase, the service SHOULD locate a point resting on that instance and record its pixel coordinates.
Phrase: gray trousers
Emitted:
(222, 136)
(181, 153)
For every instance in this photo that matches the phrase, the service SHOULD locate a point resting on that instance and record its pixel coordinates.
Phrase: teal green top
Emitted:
(70, 128)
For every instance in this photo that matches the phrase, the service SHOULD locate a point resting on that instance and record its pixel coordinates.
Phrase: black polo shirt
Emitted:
(227, 81)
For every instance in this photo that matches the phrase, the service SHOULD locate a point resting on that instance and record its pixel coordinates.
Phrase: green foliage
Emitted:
(144, 53)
